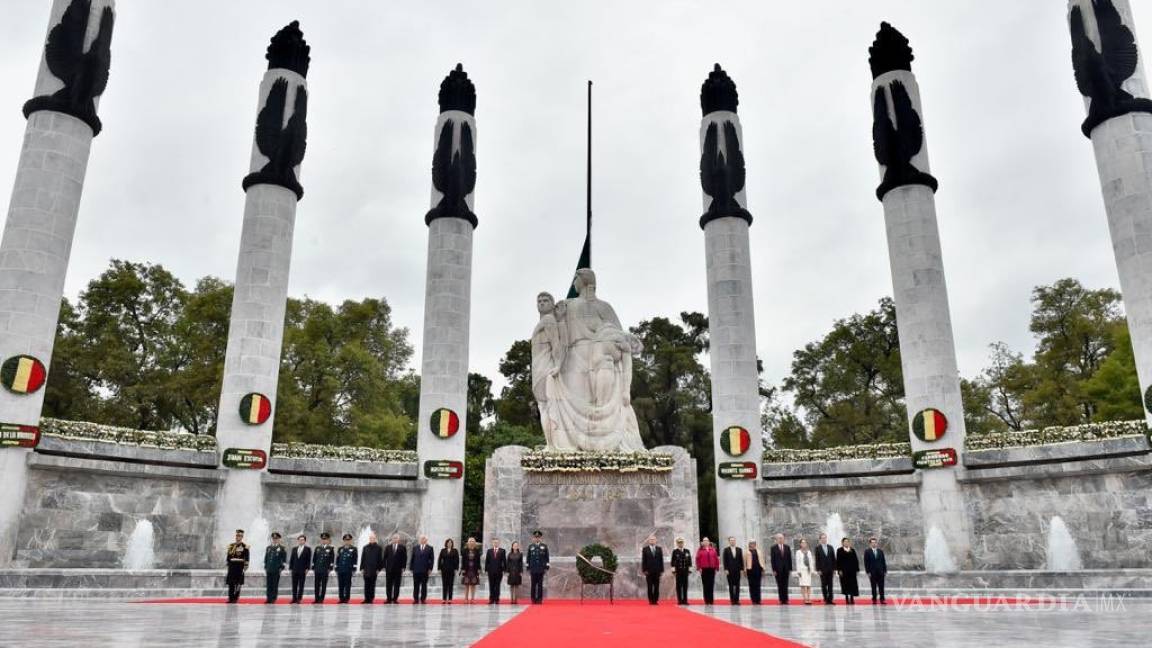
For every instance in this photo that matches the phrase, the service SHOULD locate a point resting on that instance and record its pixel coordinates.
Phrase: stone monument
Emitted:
(731, 314)
(582, 372)
(256, 327)
(924, 323)
(38, 234)
(1107, 65)
(447, 309)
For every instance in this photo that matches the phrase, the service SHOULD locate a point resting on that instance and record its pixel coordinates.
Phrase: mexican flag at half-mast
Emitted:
(586, 251)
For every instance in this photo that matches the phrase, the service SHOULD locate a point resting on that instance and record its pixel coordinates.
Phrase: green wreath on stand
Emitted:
(592, 574)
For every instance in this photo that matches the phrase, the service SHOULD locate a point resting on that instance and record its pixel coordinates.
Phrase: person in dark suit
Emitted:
(323, 557)
(515, 572)
(371, 562)
(237, 561)
(876, 568)
(447, 563)
(652, 566)
(299, 563)
(847, 565)
(537, 565)
(275, 557)
(782, 567)
(754, 569)
(395, 560)
(733, 563)
(423, 562)
(346, 558)
(495, 563)
(681, 564)
(826, 566)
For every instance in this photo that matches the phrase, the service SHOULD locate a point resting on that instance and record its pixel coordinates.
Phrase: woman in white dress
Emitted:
(805, 567)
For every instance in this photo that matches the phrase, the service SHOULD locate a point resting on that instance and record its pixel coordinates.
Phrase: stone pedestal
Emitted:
(618, 510)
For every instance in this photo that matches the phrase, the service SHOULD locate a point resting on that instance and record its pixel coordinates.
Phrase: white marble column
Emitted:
(256, 326)
(447, 304)
(927, 349)
(37, 244)
(1123, 146)
(731, 313)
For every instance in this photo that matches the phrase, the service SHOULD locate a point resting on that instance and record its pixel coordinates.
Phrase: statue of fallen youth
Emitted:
(582, 372)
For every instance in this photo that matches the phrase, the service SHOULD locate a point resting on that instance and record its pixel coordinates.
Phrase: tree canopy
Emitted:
(139, 349)
(847, 387)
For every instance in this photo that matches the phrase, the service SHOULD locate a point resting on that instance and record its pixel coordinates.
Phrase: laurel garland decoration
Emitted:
(592, 574)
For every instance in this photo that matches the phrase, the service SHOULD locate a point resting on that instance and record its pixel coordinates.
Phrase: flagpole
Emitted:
(589, 178)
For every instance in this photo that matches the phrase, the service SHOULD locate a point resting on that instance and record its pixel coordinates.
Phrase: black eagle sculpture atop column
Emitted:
(454, 168)
(721, 169)
(83, 73)
(283, 144)
(895, 141)
(1101, 73)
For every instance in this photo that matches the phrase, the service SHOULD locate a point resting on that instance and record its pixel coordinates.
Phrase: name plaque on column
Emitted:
(941, 458)
(13, 435)
(443, 469)
(737, 470)
(249, 459)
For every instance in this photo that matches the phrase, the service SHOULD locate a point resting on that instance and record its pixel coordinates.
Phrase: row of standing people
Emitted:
(392, 560)
(824, 563)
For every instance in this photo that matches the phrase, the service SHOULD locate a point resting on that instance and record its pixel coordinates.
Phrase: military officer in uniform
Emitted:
(275, 556)
(681, 566)
(322, 559)
(537, 565)
(238, 556)
(345, 567)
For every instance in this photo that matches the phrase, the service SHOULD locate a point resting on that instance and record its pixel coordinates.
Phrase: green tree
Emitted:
(783, 425)
(1114, 388)
(1075, 331)
(1001, 390)
(517, 404)
(672, 397)
(481, 405)
(69, 393)
(849, 385)
(341, 379)
(127, 322)
(197, 356)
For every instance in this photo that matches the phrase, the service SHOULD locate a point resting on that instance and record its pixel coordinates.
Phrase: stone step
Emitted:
(63, 583)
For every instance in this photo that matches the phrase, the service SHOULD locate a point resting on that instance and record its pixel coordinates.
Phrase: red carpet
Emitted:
(626, 624)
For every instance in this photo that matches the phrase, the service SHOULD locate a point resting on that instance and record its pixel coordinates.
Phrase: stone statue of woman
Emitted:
(582, 372)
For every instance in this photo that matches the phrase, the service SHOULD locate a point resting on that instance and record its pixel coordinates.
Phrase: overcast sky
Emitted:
(1019, 201)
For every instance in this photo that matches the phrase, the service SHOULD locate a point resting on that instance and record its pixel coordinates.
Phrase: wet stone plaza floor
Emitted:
(87, 622)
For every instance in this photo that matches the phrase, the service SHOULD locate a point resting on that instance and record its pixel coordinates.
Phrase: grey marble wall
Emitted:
(80, 512)
(310, 505)
(1106, 505)
(885, 506)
